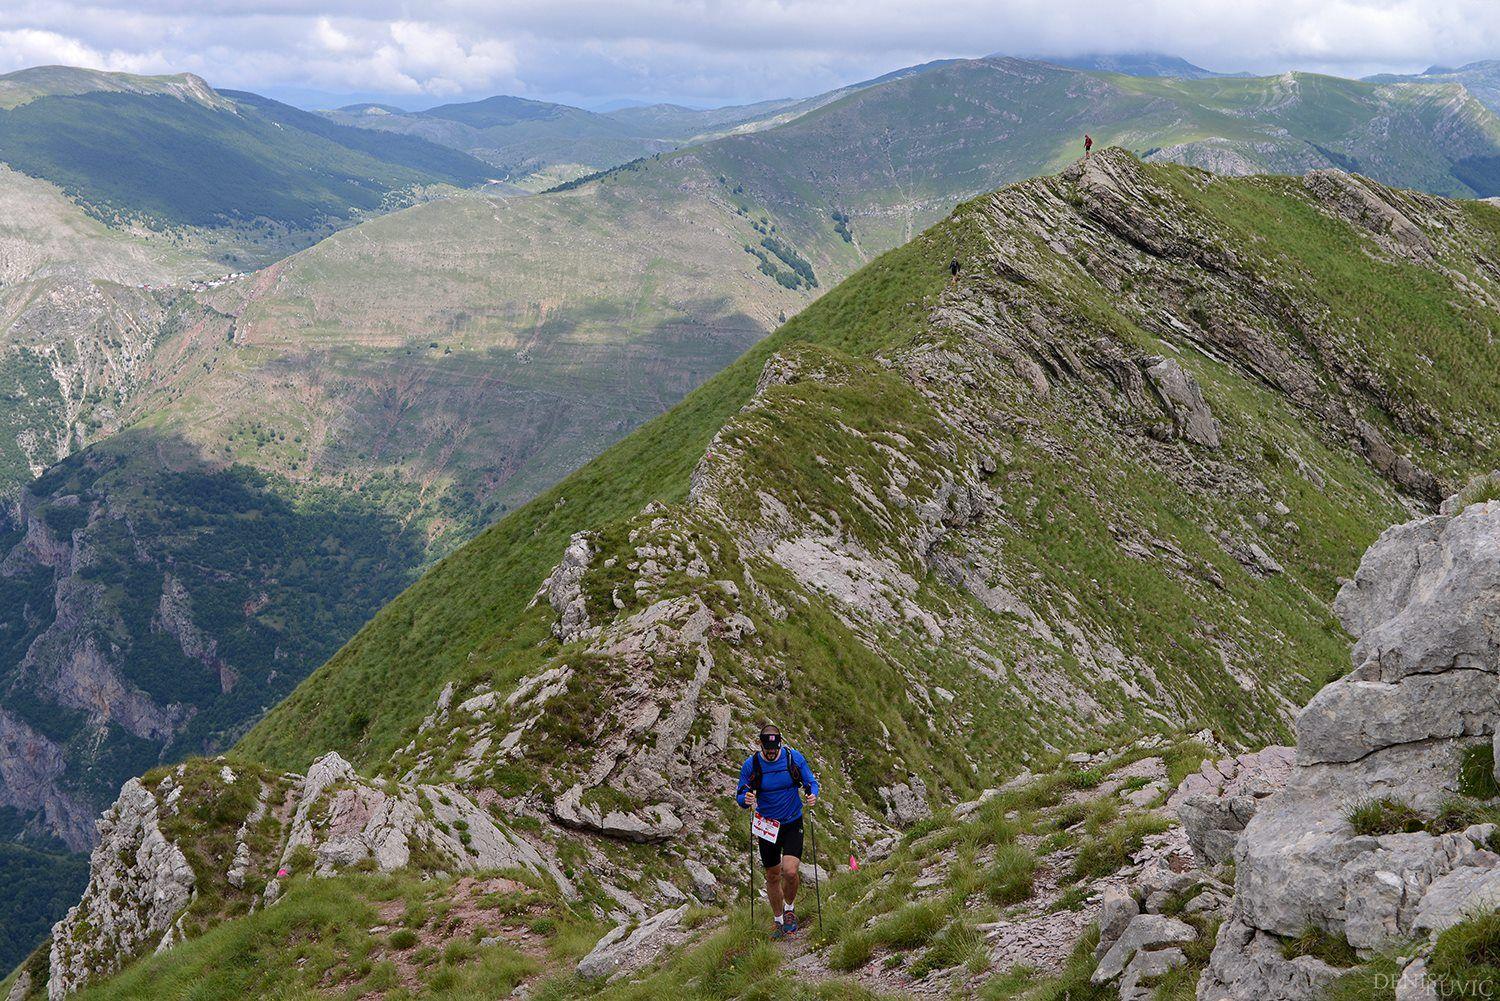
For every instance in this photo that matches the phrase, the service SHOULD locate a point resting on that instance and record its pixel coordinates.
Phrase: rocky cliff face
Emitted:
(1369, 842)
(151, 615)
(179, 849)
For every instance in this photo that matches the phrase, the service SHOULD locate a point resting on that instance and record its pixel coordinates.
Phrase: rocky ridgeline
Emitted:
(1404, 731)
(883, 505)
(901, 534)
(165, 845)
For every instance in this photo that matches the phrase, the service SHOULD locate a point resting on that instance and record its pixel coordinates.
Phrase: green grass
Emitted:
(1010, 876)
(1373, 981)
(316, 931)
(1477, 772)
(1480, 491)
(1109, 850)
(1319, 944)
(1466, 958)
(1384, 816)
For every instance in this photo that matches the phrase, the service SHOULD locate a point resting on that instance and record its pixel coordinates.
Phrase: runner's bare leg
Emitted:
(791, 877)
(773, 890)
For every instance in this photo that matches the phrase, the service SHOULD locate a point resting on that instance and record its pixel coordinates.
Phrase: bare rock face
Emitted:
(1424, 608)
(626, 948)
(1215, 803)
(31, 767)
(1355, 200)
(1146, 932)
(657, 822)
(126, 908)
(564, 590)
(1184, 402)
(906, 802)
(346, 819)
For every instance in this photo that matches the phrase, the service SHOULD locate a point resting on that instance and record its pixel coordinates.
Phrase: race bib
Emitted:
(765, 828)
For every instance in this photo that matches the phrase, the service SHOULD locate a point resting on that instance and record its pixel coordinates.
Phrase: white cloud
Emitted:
(742, 49)
(22, 47)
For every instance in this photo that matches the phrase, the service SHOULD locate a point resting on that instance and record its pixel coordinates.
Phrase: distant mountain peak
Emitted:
(1133, 64)
(24, 86)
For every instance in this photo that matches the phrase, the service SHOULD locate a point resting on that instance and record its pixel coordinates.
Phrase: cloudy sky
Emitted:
(320, 52)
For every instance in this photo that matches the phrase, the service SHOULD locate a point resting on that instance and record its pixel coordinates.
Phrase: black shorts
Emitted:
(788, 842)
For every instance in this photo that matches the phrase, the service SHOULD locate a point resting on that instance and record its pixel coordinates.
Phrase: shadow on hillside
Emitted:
(175, 604)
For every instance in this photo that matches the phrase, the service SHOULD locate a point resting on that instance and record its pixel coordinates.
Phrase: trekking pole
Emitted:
(812, 830)
(751, 874)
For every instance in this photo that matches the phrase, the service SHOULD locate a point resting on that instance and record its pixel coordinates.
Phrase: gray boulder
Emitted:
(705, 883)
(656, 822)
(1138, 981)
(1424, 608)
(1216, 802)
(1414, 984)
(1183, 400)
(1349, 718)
(1468, 889)
(626, 948)
(1144, 932)
(1426, 597)
(906, 802)
(1248, 965)
(1117, 908)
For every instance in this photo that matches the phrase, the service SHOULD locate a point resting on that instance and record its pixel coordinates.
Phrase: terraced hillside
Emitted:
(1097, 493)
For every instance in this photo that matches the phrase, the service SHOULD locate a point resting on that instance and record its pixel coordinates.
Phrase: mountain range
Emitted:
(215, 479)
(537, 144)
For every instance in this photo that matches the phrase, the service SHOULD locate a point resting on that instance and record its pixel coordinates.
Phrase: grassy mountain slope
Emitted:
(173, 153)
(1433, 410)
(535, 143)
(1135, 64)
(1103, 486)
(537, 330)
(21, 86)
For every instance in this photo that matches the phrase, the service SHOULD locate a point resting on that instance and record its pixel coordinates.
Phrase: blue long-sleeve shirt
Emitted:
(777, 797)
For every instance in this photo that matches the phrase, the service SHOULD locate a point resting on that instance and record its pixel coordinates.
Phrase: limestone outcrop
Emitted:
(1402, 735)
(628, 947)
(127, 908)
(142, 880)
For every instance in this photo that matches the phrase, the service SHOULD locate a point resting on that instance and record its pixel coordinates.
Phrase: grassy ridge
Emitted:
(472, 599)
(470, 607)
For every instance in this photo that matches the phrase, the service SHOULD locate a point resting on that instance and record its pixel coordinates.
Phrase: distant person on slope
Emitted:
(953, 267)
(1088, 144)
(771, 781)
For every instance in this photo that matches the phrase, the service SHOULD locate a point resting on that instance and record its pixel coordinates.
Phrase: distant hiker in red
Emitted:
(1088, 144)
